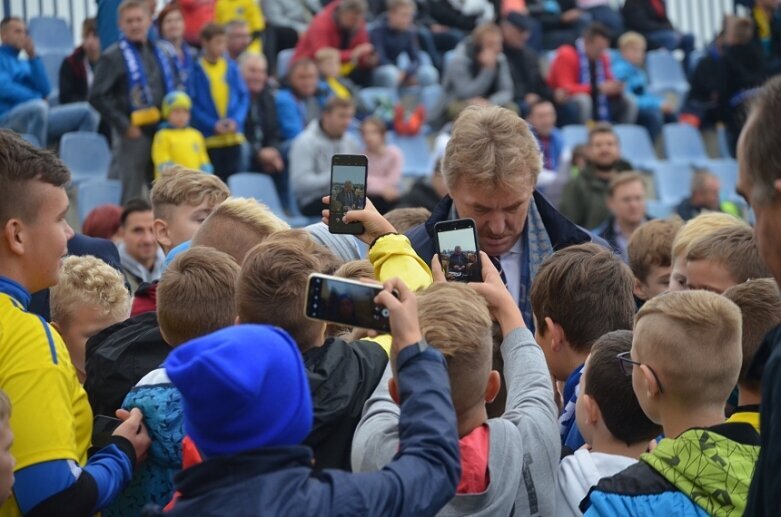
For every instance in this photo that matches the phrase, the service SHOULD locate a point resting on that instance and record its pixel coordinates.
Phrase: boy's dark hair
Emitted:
(601, 128)
(8, 19)
(597, 30)
(536, 104)
(587, 290)
(613, 392)
(210, 30)
(133, 206)
(734, 248)
(20, 164)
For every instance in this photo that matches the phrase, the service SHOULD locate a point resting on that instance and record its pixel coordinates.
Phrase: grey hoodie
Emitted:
(579, 472)
(460, 84)
(310, 161)
(524, 442)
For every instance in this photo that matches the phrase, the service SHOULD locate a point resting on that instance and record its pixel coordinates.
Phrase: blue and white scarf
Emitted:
(138, 85)
(602, 110)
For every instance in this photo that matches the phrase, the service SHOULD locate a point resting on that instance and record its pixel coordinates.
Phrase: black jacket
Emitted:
(525, 70)
(640, 16)
(260, 126)
(118, 357)
(73, 78)
(342, 377)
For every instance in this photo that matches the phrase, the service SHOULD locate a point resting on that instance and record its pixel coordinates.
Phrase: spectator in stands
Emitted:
(239, 38)
(529, 85)
(542, 119)
(286, 21)
(24, 88)
(562, 21)
(426, 192)
(490, 169)
(584, 200)
(260, 127)
(249, 11)
(652, 109)
(176, 143)
(704, 197)
(766, 16)
(478, 74)
(626, 202)
(142, 259)
(131, 79)
(170, 24)
(77, 70)
(310, 154)
(759, 182)
(394, 35)
(702, 104)
(52, 471)
(385, 165)
(602, 11)
(341, 25)
(197, 13)
(650, 256)
(89, 296)
(329, 68)
(103, 222)
(221, 102)
(649, 18)
(301, 101)
(581, 77)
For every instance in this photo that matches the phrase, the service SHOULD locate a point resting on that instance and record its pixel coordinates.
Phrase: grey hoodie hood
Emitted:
(135, 268)
(581, 471)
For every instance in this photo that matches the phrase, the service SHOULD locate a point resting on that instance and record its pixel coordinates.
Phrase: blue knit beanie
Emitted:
(243, 388)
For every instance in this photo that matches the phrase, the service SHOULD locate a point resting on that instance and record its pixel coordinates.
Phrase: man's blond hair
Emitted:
(87, 280)
(179, 186)
(197, 295)
(491, 148)
(237, 225)
(355, 270)
(404, 219)
(631, 38)
(700, 226)
(455, 320)
(692, 341)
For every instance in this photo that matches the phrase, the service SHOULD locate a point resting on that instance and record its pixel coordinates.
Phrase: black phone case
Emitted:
(460, 224)
(352, 161)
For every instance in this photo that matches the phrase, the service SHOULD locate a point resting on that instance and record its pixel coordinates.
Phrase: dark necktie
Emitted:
(498, 265)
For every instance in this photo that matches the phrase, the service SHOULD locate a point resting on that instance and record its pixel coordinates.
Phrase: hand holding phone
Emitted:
(458, 250)
(374, 224)
(500, 302)
(102, 428)
(133, 429)
(403, 313)
(348, 191)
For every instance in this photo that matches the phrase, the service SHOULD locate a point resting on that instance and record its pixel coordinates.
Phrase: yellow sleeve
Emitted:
(254, 16)
(204, 156)
(161, 151)
(393, 256)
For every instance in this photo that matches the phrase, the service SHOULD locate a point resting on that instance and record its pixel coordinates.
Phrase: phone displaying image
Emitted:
(102, 428)
(345, 302)
(348, 191)
(458, 250)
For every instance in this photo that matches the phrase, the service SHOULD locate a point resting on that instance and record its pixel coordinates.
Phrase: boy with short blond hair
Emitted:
(760, 305)
(89, 297)
(724, 258)
(684, 362)
(650, 256)
(405, 219)
(579, 294)
(508, 463)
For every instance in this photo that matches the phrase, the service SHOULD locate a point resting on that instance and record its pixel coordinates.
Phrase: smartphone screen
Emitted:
(345, 302)
(348, 191)
(458, 250)
(102, 429)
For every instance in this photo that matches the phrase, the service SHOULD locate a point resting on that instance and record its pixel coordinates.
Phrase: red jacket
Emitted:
(565, 71)
(324, 32)
(196, 13)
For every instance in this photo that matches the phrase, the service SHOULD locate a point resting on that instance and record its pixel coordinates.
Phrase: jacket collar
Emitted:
(15, 290)
(11, 51)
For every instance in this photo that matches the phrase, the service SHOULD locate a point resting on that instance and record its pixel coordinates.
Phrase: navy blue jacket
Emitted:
(420, 480)
(390, 44)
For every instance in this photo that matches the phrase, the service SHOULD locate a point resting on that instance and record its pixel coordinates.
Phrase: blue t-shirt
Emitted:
(568, 427)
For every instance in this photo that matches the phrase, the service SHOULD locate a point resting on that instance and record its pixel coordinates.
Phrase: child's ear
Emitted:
(639, 290)
(237, 321)
(652, 387)
(493, 387)
(556, 334)
(56, 327)
(393, 388)
(160, 228)
(593, 414)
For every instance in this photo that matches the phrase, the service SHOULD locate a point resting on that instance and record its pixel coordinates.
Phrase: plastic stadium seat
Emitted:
(416, 154)
(447, 58)
(49, 33)
(673, 182)
(636, 146)
(683, 143)
(87, 155)
(52, 60)
(659, 209)
(261, 187)
(727, 171)
(694, 59)
(32, 139)
(723, 141)
(96, 192)
(283, 61)
(666, 74)
(574, 134)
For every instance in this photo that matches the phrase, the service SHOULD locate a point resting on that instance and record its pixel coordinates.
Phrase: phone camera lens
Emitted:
(385, 313)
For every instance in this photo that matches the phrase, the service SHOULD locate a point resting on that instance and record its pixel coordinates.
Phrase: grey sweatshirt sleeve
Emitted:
(286, 13)
(308, 182)
(505, 94)
(376, 439)
(463, 85)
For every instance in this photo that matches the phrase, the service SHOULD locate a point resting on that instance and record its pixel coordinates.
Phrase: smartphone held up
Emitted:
(348, 191)
(345, 302)
(458, 250)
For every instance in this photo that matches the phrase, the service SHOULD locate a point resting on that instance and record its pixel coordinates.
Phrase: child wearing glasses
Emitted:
(685, 361)
(610, 420)
(578, 295)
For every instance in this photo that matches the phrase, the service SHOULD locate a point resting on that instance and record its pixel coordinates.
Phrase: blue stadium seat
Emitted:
(49, 33)
(694, 59)
(416, 154)
(430, 97)
(673, 182)
(666, 74)
(283, 61)
(52, 60)
(96, 192)
(574, 134)
(659, 209)
(447, 58)
(261, 187)
(636, 146)
(87, 155)
(683, 143)
(32, 139)
(727, 171)
(723, 141)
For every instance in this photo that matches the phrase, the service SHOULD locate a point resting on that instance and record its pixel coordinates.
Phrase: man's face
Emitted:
(709, 197)
(513, 37)
(543, 118)
(14, 34)
(628, 203)
(457, 251)
(46, 236)
(604, 150)
(173, 26)
(678, 275)
(239, 39)
(255, 73)
(709, 276)
(139, 236)
(215, 47)
(767, 215)
(91, 44)
(349, 20)
(303, 80)
(7, 461)
(183, 221)
(400, 18)
(492, 41)
(337, 121)
(134, 23)
(657, 282)
(83, 322)
(500, 215)
(596, 46)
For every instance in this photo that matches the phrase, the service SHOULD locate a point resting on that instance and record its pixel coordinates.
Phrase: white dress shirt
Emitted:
(511, 265)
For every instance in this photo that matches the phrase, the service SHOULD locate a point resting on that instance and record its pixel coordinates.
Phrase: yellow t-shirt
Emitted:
(217, 74)
(174, 146)
(226, 11)
(51, 418)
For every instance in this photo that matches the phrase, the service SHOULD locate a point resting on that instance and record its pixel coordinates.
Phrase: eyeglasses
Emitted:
(627, 365)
